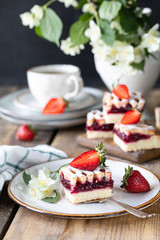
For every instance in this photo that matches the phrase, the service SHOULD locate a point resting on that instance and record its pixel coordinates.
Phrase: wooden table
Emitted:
(17, 223)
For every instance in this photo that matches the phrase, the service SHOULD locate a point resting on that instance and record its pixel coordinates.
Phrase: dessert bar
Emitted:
(134, 137)
(96, 126)
(115, 108)
(81, 185)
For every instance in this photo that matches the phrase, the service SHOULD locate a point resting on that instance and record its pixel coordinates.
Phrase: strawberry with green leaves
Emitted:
(90, 160)
(134, 182)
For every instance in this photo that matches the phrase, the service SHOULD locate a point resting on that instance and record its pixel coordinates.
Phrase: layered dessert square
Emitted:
(135, 137)
(96, 126)
(81, 185)
(157, 117)
(115, 108)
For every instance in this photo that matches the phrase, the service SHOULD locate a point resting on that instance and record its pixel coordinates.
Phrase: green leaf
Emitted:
(124, 3)
(81, 3)
(109, 10)
(38, 31)
(128, 20)
(26, 177)
(86, 17)
(139, 66)
(132, 38)
(51, 26)
(52, 199)
(108, 34)
(77, 32)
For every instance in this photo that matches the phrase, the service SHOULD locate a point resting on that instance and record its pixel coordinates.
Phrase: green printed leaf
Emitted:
(52, 199)
(38, 31)
(108, 34)
(77, 32)
(132, 38)
(51, 26)
(109, 10)
(26, 177)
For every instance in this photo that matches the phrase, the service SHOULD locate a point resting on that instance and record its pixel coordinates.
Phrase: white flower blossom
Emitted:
(66, 47)
(138, 54)
(69, 3)
(100, 49)
(93, 32)
(125, 53)
(42, 186)
(27, 19)
(151, 40)
(89, 7)
(126, 68)
(37, 12)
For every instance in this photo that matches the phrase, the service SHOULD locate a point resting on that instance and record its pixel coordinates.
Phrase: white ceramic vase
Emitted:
(140, 81)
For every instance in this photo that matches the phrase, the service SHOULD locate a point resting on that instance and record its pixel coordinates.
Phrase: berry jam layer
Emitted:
(96, 127)
(120, 110)
(87, 186)
(131, 137)
(115, 110)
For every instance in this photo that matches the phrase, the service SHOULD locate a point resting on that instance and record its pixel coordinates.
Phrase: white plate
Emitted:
(8, 106)
(91, 210)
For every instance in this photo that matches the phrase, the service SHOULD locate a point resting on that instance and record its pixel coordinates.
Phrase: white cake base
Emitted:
(87, 196)
(112, 117)
(99, 134)
(143, 144)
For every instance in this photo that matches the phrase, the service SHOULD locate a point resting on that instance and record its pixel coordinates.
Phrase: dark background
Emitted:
(21, 49)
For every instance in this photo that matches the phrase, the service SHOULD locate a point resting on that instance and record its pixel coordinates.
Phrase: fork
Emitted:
(127, 207)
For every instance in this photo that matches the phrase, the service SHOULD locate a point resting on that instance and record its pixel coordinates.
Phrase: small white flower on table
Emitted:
(42, 186)
(89, 7)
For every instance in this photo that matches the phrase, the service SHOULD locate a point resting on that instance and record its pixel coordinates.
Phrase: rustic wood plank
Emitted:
(32, 225)
(114, 150)
(7, 137)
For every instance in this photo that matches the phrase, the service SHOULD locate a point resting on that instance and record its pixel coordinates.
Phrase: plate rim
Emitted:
(82, 216)
(67, 115)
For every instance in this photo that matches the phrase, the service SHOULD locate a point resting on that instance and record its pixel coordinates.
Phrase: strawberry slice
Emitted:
(134, 181)
(25, 133)
(121, 91)
(131, 117)
(54, 106)
(90, 160)
(86, 161)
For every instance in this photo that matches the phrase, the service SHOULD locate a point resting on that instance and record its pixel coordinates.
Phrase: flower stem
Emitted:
(49, 3)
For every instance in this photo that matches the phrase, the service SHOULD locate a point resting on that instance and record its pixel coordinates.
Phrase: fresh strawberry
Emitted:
(25, 133)
(131, 117)
(90, 160)
(55, 106)
(121, 91)
(134, 182)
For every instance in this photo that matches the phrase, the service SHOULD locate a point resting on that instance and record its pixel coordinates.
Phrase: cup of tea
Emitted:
(57, 80)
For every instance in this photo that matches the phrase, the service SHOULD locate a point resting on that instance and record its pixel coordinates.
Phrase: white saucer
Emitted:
(89, 99)
(84, 99)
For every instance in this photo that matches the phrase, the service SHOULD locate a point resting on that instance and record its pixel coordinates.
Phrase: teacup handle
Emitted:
(78, 84)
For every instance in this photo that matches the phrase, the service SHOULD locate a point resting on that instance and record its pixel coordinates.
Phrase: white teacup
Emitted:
(58, 80)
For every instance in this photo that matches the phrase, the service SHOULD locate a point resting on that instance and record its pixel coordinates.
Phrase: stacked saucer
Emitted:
(20, 107)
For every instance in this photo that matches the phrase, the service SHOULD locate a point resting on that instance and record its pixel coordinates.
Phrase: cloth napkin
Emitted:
(17, 158)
